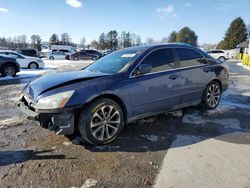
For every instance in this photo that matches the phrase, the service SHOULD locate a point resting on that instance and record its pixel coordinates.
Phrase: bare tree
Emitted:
(65, 39)
(83, 42)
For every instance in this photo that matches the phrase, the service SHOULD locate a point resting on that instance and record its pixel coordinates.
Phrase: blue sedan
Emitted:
(124, 86)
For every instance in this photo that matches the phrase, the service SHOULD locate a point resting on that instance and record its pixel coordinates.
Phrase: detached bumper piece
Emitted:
(62, 122)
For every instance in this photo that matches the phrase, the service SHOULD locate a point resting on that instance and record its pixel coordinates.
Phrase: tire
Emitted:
(96, 129)
(51, 58)
(9, 70)
(75, 58)
(94, 58)
(33, 65)
(211, 96)
(222, 59)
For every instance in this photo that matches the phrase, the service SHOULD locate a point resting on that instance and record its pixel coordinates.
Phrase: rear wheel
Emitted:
(211, 96)
(33, 65)
(75, 58)
(9, 70)
(94, 58)
(101, 121)
(222, 59)
(51, 58)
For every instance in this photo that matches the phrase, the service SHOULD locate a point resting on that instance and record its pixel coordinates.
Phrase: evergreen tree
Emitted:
(112, 40)
(172, 37)
(235, 34)
(54, 40)
(186, 35)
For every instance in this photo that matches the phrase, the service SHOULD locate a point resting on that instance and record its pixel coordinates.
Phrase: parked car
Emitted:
(83, 55)
(219, 54)
(124, 86)
(24, 61)
(94, 52)
(107, 52)
(8, 66)
(57, 55)
(29, 52)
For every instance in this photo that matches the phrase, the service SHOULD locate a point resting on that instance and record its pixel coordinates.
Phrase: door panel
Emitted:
(194, 74)
(154, 93)
(194, 81)
(158, 90)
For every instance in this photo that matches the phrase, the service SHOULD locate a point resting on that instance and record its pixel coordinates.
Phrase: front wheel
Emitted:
(9, 70)
(101, 121)
(211, 96)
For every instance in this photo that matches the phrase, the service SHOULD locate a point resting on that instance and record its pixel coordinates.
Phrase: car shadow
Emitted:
(176, 130)
(19, 156)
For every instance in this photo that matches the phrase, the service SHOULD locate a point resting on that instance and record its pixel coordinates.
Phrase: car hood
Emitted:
(56, 80)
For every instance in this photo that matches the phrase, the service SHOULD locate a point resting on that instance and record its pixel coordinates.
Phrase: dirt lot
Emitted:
(34, 157)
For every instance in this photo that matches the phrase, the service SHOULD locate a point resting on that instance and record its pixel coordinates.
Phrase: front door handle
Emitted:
(206, 69)
(174, 76)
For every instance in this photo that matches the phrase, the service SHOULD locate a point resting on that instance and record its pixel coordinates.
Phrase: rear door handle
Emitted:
(174, 76)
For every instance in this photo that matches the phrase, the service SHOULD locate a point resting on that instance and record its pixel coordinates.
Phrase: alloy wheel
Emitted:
(105, 122)
(213, 95)
(33, 66)
(9, 71)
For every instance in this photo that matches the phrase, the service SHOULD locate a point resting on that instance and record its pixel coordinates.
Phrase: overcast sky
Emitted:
(149, 18)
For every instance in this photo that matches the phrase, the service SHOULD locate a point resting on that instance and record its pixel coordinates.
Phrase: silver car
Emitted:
(57, 55)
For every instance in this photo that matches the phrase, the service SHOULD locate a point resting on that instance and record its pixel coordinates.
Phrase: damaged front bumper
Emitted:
(62, 121)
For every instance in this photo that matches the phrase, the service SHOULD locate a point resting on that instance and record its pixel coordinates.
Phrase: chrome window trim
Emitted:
(195, 66)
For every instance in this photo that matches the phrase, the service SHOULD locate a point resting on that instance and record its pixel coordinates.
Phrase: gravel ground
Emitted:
(34, 157)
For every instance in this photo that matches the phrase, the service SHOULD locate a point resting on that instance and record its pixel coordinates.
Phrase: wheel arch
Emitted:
(218, 81)
(33, 62)
(7, 63)
(115, 98)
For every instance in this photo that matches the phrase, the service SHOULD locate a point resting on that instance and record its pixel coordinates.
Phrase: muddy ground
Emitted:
(31, 156)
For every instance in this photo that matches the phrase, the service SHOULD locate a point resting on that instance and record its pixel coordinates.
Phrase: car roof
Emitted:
(155, 46)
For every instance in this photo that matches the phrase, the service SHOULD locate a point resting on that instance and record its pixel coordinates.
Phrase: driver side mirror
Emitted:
(143, 69)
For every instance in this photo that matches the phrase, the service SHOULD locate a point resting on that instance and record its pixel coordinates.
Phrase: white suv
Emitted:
(219, 54)
(24, 61)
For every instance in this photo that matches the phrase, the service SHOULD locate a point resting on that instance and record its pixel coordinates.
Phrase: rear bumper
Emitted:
(62, 123)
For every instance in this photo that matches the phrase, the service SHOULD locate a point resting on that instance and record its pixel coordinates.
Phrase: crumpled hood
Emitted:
(54, 80)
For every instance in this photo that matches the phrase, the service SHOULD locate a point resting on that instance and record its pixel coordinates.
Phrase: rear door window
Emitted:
(160, 60)
(190, 57)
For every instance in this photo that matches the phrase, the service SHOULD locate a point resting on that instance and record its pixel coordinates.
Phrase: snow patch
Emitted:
(244, 66)
(197, 119)
(152, 138)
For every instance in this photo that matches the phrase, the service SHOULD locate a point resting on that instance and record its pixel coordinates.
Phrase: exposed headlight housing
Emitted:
(54, 101)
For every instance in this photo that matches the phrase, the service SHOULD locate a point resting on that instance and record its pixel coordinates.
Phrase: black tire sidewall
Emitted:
(86, 116)
(221, 57)
(37, 66)
(205, 104)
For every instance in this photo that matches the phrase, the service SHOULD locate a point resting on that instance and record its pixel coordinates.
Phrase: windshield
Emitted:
(115, 62)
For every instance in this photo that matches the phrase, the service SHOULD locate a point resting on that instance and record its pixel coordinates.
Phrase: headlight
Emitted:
(54, 101)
